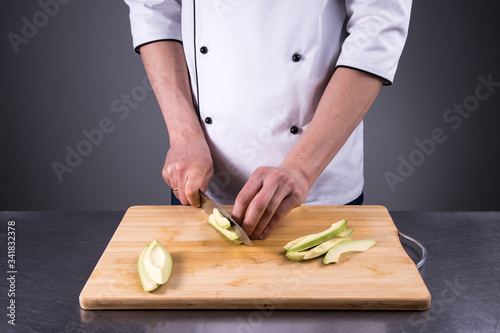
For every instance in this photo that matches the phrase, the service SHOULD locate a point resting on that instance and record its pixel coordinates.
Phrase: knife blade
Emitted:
(208, 206)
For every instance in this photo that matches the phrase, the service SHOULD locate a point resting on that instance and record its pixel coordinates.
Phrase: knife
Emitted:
(208, 206)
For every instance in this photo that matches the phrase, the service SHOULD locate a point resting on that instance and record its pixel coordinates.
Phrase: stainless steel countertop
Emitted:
(57, 251)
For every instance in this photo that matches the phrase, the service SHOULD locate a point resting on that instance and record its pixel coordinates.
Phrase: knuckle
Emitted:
(260, 205)
(242, 199)
(295, 196)
(279, 215)
(295, 193)
(164, 174)
(248, 227)
(168, 170)
(270, 208)
(289, 183)
(190, 192)
(276, 177)
(260, 170)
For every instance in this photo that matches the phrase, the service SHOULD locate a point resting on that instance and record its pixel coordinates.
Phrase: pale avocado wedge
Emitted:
(221, 220)
(229, 233)
(321, 237)
(345, 233)
(296, 256)
(147, 283)
(347, 248)
(158, 262)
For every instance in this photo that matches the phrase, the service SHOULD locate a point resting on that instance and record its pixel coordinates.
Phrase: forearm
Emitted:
(166, 68)
(188, 165)
(347, 98)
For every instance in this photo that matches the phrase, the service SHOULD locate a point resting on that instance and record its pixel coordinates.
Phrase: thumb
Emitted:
(193, 185)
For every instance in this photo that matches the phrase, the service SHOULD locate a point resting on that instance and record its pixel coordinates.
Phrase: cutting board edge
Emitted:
(419, 304)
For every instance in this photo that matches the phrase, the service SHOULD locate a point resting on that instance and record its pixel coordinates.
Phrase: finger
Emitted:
(247, 193)
(195, 181)
(171, 173)
(258, 212)
(168, 177)
(274, 204)
(175, 190)
(206, 180)
(192, 188)
(279, 215)
(181, 192)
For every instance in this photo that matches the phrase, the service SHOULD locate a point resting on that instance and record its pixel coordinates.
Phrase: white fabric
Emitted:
(254, 93)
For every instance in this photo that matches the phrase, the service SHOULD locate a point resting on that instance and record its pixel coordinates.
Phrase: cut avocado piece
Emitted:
(157, 262)
(346, 233)
(348, 248)
(297, 256)
(321, 237)
(221, 221)
(229, 233)
(147, 283)
(326, 246)
(289, 245)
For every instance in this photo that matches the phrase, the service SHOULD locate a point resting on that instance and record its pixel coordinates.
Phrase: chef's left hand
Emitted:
(268, 196)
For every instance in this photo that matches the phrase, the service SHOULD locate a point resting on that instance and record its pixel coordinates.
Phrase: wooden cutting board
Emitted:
(212, 272)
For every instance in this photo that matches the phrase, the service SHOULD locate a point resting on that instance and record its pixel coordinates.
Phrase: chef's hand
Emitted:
(188, 168)
(268, 196)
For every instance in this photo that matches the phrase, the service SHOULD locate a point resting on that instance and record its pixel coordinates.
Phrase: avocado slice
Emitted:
(289, 245)
(229, 233)
(315, 239)
(319, 249)
(325, 247)
(157, 262)
(346, 233)
(221, 220)
(147, 283)
(296, 256)
(348, 248)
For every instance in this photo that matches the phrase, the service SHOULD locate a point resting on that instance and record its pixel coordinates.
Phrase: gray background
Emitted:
(66, 77)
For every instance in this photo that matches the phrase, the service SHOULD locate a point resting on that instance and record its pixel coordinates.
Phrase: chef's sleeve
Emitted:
(377, 31)
(154, 20)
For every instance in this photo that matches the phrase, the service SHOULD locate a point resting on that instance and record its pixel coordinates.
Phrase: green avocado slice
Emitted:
(348, 248)
(326, 246)
(315, 239)
(289, 245)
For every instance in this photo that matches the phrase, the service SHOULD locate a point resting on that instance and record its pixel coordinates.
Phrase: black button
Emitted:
(294, 130)
(208, 120)
(204, 50)
(296, 57)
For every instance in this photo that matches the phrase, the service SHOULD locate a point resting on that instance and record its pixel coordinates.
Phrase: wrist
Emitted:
(186, 134)
(300, 169)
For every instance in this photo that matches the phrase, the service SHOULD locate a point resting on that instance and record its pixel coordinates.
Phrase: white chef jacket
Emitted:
(258, 69)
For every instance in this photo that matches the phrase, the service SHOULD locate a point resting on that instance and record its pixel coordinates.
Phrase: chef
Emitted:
(264, 99)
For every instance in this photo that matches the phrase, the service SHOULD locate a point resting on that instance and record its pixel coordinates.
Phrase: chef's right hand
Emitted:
(188, 168)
